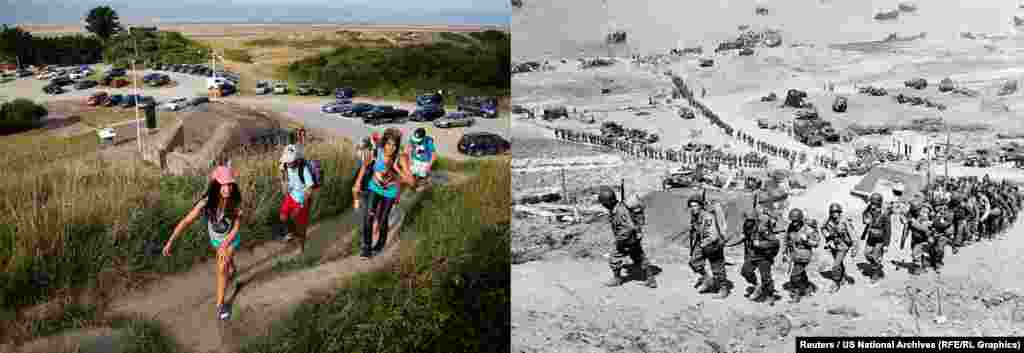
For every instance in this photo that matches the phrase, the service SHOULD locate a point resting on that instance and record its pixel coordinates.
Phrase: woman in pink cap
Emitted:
(221, 209)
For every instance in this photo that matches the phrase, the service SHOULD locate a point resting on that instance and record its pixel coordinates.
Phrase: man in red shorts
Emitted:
(297, 180)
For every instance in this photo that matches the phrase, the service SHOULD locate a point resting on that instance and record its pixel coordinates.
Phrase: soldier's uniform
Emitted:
(920, 236)
(838, 235)
(959, 211)
(877, 234)
(941, 233)
(707, 244)
(627, 234)
(760, 246)
(801, 239)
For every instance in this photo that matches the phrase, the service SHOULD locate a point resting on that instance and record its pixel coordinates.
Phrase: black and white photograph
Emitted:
(727, 176)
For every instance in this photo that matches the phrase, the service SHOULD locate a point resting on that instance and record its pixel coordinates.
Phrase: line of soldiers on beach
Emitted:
(639, 150)
(951, 212)
(683, 91)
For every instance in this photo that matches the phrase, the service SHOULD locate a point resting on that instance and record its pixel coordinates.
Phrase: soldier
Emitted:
(760, 248)
(941, 232)
(920, 227)
(801, 239)
(707, 244)
(628, 235)
(877, 234)
(838, 234)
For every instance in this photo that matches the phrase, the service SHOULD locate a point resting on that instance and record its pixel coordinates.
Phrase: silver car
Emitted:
(454, 119)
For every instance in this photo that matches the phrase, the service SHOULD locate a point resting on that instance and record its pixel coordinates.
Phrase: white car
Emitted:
(262, 87)
(175, 104)
(280, 88)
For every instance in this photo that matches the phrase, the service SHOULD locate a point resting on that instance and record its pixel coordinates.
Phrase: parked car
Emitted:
(114, 100)
(146, 101)
(85, 84)
(344, 93)
(199, 100)
(427, 113)
(335, 107)
(486, 107)
(175, 104)
(304, 89)
(97, 98)
(385, 113)
(53, 89)
(483, 143)
(322, 91)
(159, 80)
(78, 75)
(129, 101)
(262, 87)
(357, 110)
(455, 119)
(23, 73)
(117, 72)
(280, 88)
(62, 81)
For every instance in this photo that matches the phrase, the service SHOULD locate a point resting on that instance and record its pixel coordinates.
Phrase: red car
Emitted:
(118, 83)
(97, 98)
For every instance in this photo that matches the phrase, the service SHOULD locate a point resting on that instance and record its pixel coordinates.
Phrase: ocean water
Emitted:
(566, 28)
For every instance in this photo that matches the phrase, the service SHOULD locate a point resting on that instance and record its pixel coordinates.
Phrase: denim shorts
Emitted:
(234, 243)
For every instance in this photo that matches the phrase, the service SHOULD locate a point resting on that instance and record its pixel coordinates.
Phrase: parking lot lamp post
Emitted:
(135, 79)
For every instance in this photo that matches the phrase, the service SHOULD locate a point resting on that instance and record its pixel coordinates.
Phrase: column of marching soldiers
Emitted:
(951, 212)
(638, 150)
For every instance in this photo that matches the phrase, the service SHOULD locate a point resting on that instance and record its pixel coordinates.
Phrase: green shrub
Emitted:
(20, 115)
(406, 71)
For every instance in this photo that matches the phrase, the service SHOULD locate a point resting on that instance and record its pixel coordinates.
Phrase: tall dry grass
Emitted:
(69, 226)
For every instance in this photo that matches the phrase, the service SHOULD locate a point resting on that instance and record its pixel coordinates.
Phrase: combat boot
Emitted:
(750, 292)
(706, 286)
(724, 289)
(615, 281)
(835, 287)
(649, 279)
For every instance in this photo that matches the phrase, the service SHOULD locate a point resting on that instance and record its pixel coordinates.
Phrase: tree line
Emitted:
(388, 71)
(18, 45)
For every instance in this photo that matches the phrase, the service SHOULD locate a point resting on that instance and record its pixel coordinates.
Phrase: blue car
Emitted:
(427, 113)
(357, 110)
(336, 107)
(344, 93)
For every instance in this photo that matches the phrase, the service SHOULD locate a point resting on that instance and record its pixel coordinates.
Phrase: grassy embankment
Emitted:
(451, 289)
(83, 229)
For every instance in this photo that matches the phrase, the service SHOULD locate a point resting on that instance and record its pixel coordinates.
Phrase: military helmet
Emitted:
(796, 215)
(606, 196)
(835, 207)
(875, 198)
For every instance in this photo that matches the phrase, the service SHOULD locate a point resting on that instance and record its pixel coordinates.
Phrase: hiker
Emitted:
(221, 209)
(388, 170)
(422, 154)
(297, 182)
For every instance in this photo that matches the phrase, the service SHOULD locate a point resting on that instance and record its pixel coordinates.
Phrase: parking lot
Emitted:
(32, 88)
(304, 110)
(307, 112)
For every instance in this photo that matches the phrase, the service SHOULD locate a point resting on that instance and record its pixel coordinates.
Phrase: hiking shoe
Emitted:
(223, 312)
(615, 281)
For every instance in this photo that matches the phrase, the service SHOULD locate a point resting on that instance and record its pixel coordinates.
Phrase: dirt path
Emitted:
(184, 304)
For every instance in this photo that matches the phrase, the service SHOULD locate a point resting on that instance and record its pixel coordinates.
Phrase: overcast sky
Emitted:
(491, 12)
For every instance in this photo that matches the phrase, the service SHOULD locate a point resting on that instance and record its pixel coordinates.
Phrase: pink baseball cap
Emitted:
(223, 175)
